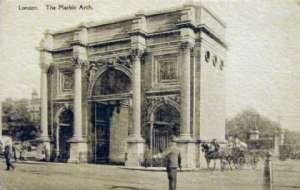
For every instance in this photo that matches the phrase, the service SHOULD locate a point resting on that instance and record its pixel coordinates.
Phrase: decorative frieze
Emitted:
(152, 102)
(124, 60)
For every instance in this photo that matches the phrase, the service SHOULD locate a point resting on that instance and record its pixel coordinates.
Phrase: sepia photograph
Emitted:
(150, 95)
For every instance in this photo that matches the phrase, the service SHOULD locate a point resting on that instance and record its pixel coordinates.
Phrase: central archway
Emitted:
(110, 116)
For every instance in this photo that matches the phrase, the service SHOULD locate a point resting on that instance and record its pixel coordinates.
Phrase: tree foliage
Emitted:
(248, 120)
(18, 121)
(292, 138)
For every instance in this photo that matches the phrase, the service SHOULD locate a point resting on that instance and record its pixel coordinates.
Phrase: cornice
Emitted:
(200, 28)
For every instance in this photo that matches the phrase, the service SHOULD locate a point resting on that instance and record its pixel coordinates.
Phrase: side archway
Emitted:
(164, 122)
(63, 133)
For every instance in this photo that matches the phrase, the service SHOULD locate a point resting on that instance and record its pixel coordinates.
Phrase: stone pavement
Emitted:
(44, 176)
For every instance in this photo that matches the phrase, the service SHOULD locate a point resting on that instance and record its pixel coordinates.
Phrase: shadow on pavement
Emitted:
(127, 187)
(289, 186)
(30, 163)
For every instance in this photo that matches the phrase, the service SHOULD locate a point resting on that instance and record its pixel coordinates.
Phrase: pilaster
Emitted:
(45, 62)
(135, 142)
(78, 145)
(185, 141)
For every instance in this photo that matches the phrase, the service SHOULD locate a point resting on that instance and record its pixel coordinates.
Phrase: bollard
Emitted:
(268, 176)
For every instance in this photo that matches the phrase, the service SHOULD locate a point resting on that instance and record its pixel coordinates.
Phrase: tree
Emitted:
(17, 120)
(248, 120)
(292, 138)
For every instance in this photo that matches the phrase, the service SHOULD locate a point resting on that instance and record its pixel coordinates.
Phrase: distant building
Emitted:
(109, 89)
(34, 107)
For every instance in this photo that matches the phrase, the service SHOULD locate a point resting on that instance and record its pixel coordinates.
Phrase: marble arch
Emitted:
(171, 72)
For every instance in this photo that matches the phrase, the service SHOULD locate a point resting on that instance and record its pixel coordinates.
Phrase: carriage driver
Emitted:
(214, 146)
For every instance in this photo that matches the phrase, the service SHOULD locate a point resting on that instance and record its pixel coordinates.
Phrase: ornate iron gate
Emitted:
(101, 132)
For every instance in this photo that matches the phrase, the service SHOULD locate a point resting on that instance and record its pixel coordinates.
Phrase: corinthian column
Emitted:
(44, 49)
(44, 102)
(136, 96)
(186, 91)
(77, 101)
(185, 141)
(78, 144)
(135, 143)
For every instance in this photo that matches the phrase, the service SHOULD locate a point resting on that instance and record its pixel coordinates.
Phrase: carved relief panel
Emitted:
(166, 69)
(65, 82)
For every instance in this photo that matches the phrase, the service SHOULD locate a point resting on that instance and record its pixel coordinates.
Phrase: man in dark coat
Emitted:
(173, 161)
(7, 156)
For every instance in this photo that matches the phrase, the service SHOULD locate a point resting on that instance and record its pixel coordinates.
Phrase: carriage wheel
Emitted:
(241, 162)
(223, 164)
(254, 162)
(236, 163)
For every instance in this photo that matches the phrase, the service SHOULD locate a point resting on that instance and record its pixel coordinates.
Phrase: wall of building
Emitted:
(118, 135)
(212, 91)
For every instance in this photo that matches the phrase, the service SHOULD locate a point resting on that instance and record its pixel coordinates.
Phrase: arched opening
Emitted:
(110, 116)
(112, 81)
(165, 122)
(64, 132)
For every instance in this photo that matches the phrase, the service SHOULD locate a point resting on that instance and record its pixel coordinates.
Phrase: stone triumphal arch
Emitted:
(111, 89)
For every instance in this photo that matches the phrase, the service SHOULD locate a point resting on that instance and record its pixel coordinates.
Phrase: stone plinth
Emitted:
(78, 151)
(188, 152)
(135, 151)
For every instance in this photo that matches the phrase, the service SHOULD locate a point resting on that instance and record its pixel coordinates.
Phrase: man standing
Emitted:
(173, 161)
(7, 156)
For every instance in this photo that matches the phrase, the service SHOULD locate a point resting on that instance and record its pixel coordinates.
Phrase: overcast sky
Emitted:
(263, 59)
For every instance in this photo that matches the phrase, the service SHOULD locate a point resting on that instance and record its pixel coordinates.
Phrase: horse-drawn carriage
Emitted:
(230, 156)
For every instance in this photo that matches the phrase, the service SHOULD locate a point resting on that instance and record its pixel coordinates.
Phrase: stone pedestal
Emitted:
(135, 151)
(46, 147)
(78, 151)
(188, 152)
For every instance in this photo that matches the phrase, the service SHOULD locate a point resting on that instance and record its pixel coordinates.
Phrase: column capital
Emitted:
(137, 53)
(44, 66)
(79, 62)
(186, 45)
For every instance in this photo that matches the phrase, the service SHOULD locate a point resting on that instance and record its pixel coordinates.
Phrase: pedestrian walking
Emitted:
(173, 161)
(7, 156)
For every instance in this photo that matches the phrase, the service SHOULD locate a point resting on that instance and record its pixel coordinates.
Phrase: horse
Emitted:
(222, 155)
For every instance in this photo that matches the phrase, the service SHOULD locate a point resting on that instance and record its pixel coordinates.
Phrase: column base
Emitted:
(135, 151)
(78, 150)
(45, 147)
(187, 145)
(43, 139)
